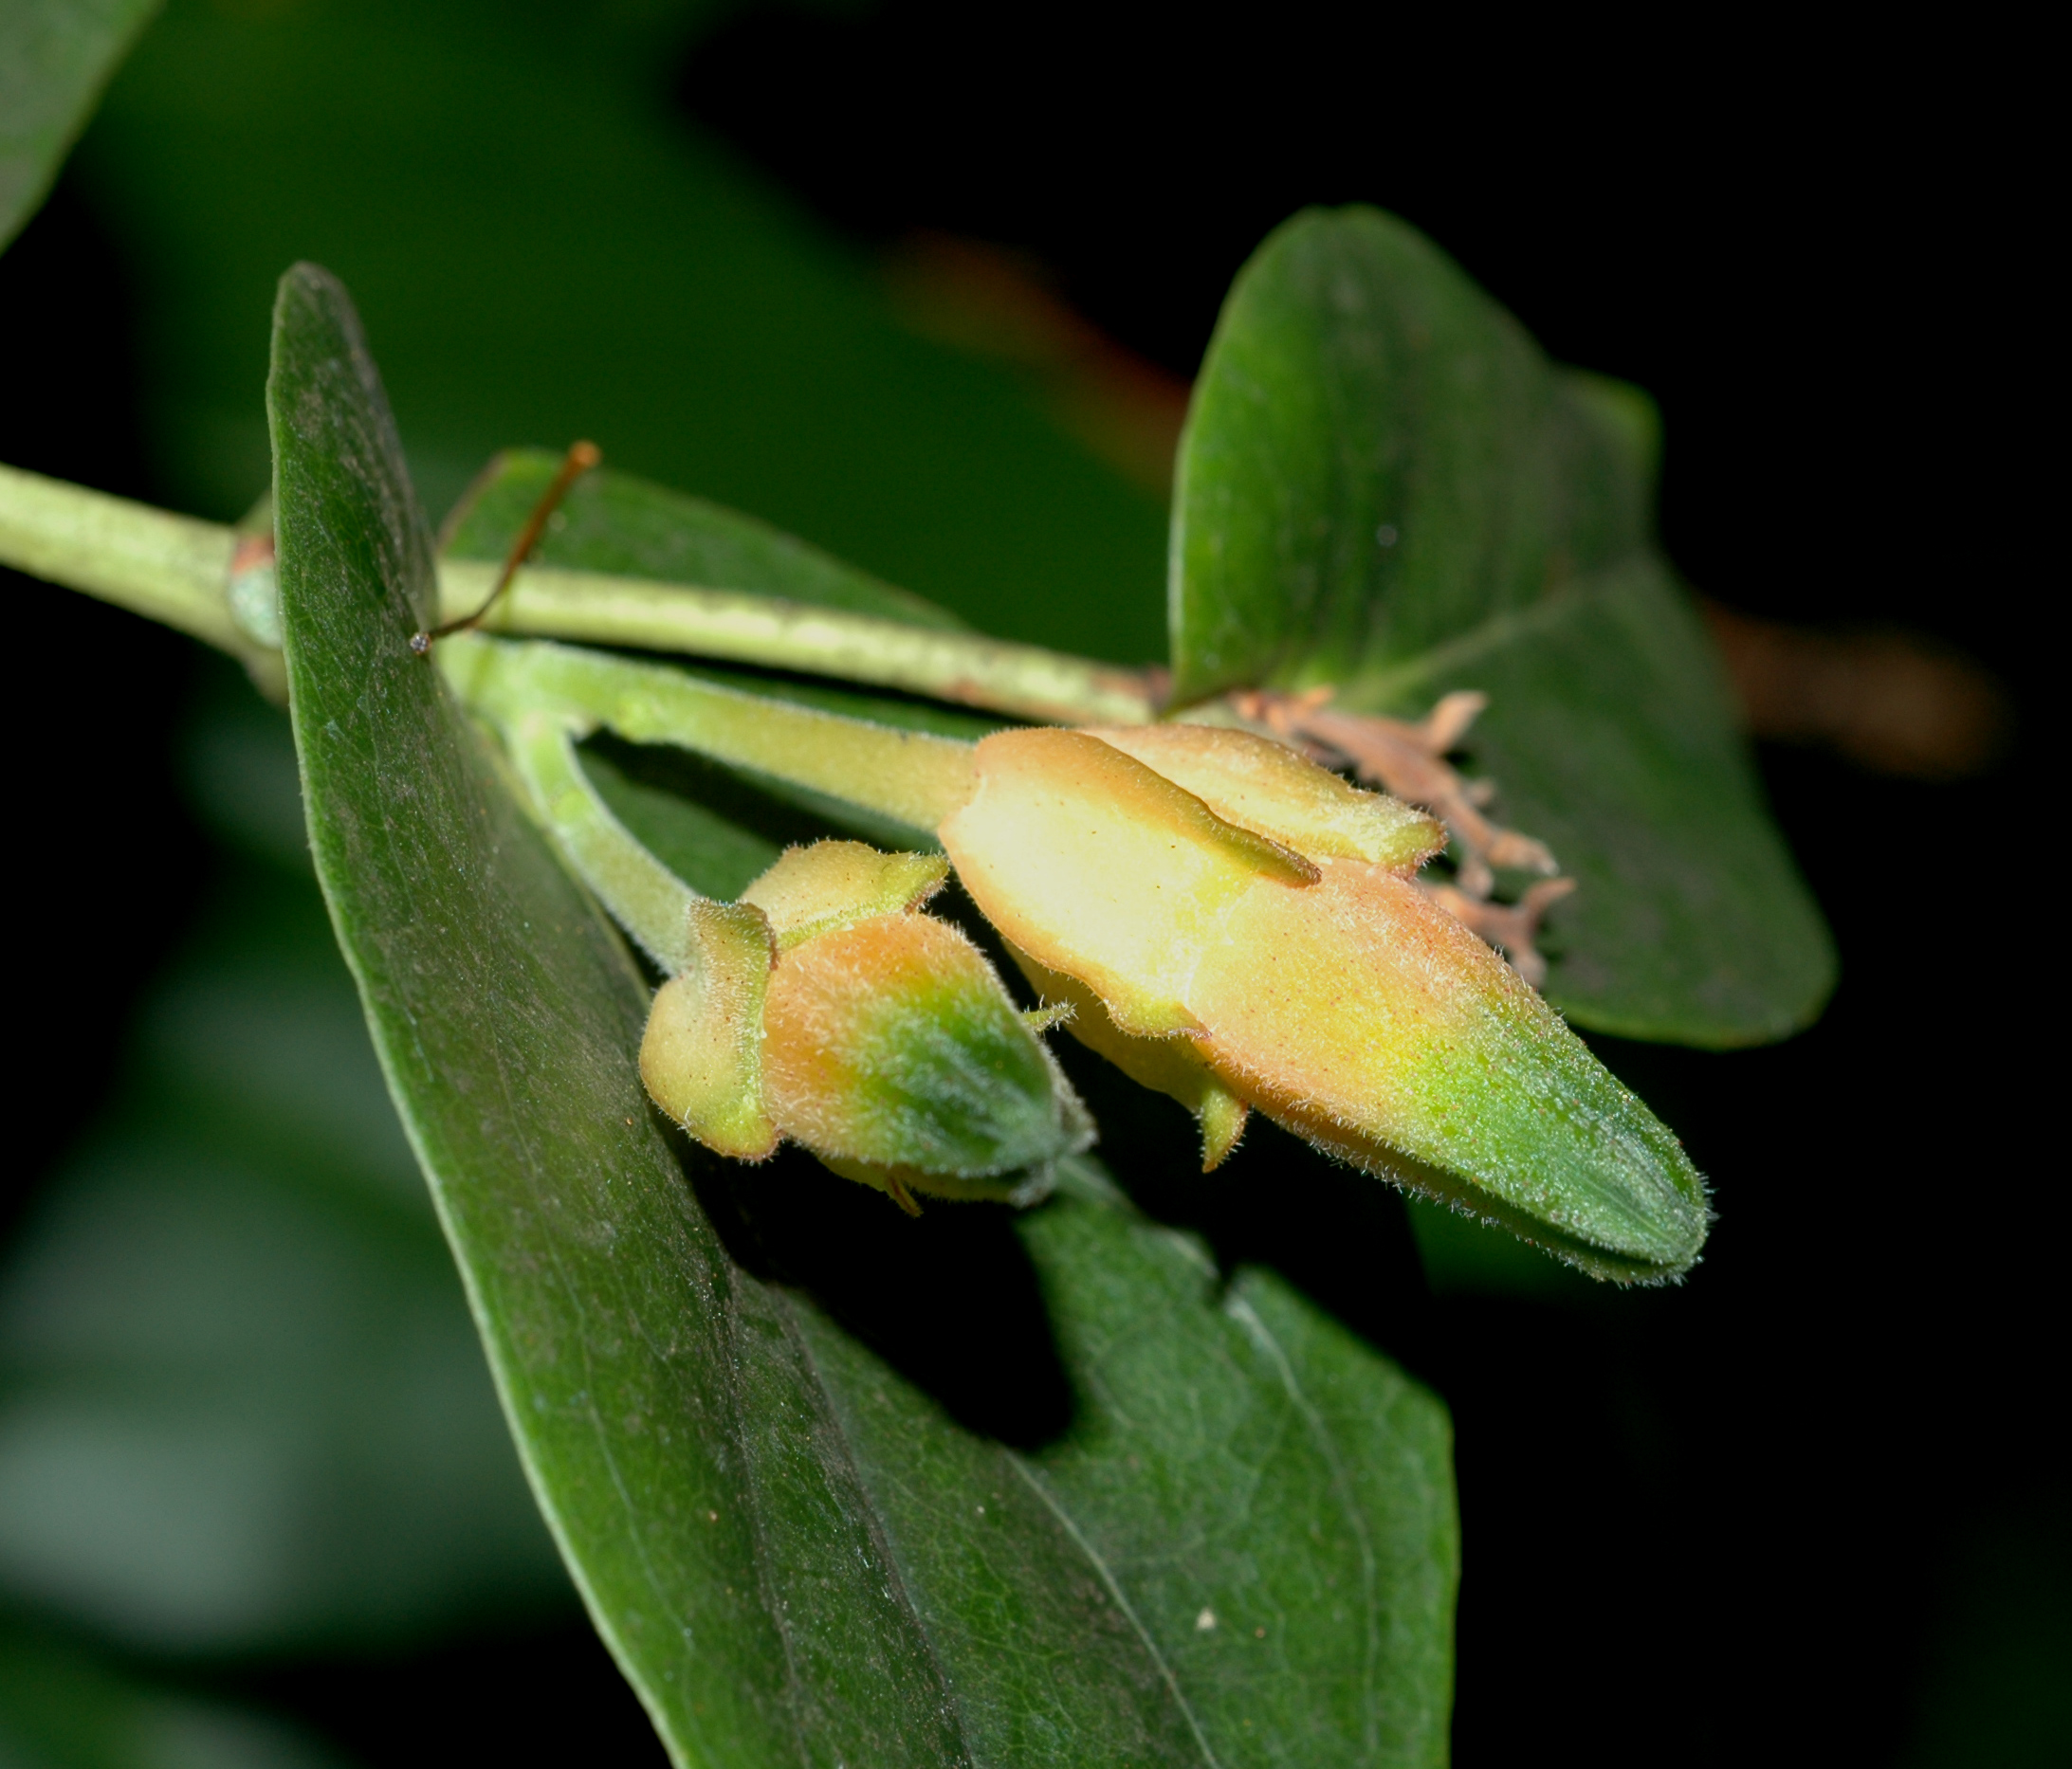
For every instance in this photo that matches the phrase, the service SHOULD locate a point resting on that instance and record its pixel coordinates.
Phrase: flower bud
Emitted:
(879, 1038)
(833, 884)
(1297, 961)
(701, 1053)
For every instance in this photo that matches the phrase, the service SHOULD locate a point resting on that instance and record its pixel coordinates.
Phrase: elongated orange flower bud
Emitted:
(1260, 913)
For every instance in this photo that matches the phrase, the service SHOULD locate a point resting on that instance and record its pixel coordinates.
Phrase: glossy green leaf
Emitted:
(55, 57)
(1157, 1522)
(1386, 486)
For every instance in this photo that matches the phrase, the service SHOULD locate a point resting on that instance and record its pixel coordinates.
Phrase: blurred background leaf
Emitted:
(62, 1709)
(1992, 1689)
(241, 1404)
(55, 56)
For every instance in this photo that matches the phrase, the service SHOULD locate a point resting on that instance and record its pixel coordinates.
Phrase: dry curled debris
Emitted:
(1409, 761)
(1512, 928)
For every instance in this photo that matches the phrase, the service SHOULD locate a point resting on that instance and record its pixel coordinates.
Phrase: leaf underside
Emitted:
(1153, 1521)
(1384, 487)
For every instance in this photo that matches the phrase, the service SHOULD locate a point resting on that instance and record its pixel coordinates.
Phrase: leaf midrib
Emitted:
(1241, 1310)
(895, 1573)
(1393, 686)
(1264, 1338)
(1115, 1592)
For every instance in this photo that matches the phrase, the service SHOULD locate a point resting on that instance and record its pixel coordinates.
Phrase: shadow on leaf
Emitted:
(948, 1298)
(1339, 1235)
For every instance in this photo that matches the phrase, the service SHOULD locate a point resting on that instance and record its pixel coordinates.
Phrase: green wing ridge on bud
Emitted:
(815, 890)
(1173, 1067)
(1351, 1009)
(1275, 791)
(1100, 867)
(892, 1043)
(701, 1053)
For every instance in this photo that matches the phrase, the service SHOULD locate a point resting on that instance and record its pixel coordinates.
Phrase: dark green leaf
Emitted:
(55, 57)
(614, 522)
(973, 1490)
(666, 799)
(1384, 487)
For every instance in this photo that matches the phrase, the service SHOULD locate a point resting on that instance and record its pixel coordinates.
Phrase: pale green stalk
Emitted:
(170, 569)
(1023, 679)
(175, 571)
(648, 900)
(913, 777)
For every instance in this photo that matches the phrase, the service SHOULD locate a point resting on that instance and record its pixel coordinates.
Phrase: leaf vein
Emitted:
(1121, 1602)
(1247, 1317)
(1494, 632)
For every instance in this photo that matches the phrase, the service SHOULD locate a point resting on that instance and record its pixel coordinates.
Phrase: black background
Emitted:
(1758, 1518)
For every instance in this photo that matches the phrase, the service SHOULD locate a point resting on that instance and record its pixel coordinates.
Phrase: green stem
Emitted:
(648, 900)
(907, 775)
(1022, 679)
(175, 570)
(170, 569)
